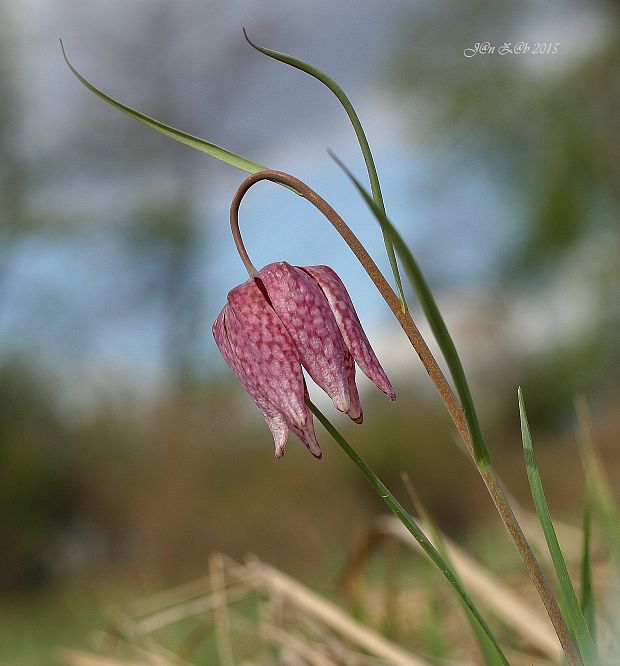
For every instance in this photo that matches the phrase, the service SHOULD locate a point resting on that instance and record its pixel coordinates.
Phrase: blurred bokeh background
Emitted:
(128, 452)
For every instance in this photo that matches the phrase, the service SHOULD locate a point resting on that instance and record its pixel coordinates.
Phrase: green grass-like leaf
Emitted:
(488, 649)
(574, 616)
(587, 595)
(412, 527)
(438, 326)
(603, 500)
(609, 516)
(361, 138)
(204, 146)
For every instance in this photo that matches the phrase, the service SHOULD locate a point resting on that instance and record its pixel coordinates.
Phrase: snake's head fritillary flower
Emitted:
(285, 318)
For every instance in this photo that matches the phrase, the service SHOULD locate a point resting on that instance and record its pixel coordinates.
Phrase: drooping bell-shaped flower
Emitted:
(287, 317)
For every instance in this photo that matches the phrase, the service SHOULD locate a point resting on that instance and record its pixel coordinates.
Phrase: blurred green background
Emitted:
(128, 452)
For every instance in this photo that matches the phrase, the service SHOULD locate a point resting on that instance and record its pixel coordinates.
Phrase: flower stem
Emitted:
(236, 233)
(399, 511)
(482, 462)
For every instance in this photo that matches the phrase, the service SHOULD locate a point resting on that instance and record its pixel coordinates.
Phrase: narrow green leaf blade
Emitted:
(573, 614)
(587, 595)
(361, 138)
(438, 326)
(399, 511)
(603, 498)
(204, 146)
(491, 655)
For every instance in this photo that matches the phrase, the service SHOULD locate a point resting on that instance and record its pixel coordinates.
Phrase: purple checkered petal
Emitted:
(275, 420)
(286, 317)
(307, 434)
(355, 411)
(350, 327)
(266, 351)
(259, 351)
(302, 307)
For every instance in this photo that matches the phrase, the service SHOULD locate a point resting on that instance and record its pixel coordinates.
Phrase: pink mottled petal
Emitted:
(266, 351)
(302, 307)
(275, 420)
(307, 434)
(279, 430)
(221, 335)
(355, 411)
(350, 327)
(308, 437)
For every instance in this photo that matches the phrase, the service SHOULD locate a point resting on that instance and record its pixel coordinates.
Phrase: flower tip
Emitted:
(384, 385)
(317, 454)
(342, 403)
(358, 419)
(279, 452)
